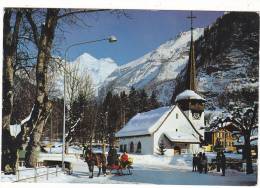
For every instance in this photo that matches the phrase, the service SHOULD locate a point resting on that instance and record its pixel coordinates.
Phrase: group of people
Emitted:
(200, 163)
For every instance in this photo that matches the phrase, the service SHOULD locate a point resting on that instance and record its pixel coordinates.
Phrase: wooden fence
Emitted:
(37, 173)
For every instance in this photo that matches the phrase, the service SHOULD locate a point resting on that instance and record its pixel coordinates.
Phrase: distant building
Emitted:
(226, 139)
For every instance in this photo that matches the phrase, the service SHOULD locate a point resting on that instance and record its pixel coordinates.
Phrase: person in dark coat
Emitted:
(112, 157)
(199, 162)
(204, 163)
(218, 161)
(223, 163)
(194, 163)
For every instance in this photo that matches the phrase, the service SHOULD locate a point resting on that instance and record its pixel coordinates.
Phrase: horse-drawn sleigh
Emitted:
(121, 169)
(113, 165)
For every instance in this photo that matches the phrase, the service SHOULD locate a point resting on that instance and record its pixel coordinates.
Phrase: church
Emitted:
(179, 128)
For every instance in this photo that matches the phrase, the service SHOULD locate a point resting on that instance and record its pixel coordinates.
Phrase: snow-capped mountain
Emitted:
(98, 69)
(226, 62)
(156, 69)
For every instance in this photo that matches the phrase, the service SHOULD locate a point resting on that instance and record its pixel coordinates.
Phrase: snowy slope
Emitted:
(226, 64)
(154, 68)
(227, 61)
(98, 69)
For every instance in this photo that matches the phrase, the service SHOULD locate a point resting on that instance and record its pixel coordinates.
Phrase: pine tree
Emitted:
(162, 147)
(124, 110)
(153, 103)
(143, 101)
(133, 102)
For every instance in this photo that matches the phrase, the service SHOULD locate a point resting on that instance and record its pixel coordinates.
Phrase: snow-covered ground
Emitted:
(151, 169)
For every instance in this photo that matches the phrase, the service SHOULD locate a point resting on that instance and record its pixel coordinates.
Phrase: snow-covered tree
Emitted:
(79, 92)
(245, 120)
(162, 147)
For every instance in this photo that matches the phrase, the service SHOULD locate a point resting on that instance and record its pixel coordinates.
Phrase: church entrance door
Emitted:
(177, 150)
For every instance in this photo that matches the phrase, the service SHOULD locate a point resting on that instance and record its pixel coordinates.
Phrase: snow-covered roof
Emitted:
(181, 137)
(188, 94)
(145, 123)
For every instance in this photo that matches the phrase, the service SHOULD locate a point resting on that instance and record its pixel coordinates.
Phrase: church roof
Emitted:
(145, 123)
(181, 137)
(188, 94)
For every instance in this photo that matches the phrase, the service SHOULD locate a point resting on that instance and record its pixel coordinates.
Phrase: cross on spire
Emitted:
(191, 72)
(191, 17)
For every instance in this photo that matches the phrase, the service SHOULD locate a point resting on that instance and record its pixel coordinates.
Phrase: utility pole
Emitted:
(103, 139)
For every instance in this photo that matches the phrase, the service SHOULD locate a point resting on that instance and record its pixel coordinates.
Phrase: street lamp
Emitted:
(110, 39)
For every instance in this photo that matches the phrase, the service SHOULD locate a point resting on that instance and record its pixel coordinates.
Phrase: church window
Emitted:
(139, 147)
(177, 115)
(131, 147)
(176, 130)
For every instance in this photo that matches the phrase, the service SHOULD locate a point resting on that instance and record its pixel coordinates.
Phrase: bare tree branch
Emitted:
(34, 27)
(80, 12)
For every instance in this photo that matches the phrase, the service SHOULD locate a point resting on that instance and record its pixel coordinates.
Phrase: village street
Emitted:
(157, 175)
(176, 172)
(148, 169)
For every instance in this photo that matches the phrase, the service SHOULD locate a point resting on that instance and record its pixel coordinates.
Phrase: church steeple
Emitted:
(191, 71)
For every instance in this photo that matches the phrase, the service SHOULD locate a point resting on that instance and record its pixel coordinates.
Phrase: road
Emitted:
(162, 175)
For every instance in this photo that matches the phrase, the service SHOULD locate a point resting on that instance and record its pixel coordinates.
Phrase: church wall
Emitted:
(146, 143)
(174, 123)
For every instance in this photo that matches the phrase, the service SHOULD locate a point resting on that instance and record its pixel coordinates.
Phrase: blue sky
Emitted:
(139, 33)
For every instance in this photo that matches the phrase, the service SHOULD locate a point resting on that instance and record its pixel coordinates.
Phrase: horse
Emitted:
(96, 159)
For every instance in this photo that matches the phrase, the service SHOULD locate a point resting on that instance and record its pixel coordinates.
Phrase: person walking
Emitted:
(204, 163)
(223, 163)
(194, 163)
(218, 161)
(199, 162)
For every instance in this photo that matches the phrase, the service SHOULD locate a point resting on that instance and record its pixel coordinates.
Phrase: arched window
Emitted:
(139, 147)
(131, 147)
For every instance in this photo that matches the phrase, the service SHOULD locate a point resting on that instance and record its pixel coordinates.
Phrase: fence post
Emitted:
(35, 174)
(47, 177)
(18, 174)
(56, 170)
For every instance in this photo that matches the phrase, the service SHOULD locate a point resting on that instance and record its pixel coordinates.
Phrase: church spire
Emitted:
(191, 72)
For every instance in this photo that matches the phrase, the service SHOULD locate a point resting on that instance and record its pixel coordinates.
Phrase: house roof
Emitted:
(188, 94)
(181, 137)
(145, 123)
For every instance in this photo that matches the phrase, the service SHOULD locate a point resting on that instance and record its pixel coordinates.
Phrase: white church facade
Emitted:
(180, 131)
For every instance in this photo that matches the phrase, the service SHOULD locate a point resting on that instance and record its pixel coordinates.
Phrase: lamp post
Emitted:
(110, 39)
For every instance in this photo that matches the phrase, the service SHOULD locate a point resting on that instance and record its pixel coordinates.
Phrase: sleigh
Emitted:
(120, 170)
